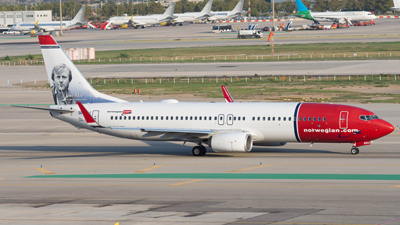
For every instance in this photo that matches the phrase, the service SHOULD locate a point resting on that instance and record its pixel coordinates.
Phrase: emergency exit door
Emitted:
(344, 120)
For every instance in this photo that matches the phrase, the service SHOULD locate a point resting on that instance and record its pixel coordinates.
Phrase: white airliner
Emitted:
(46, 27)
(338, 17)
(194, 16)
(141, 20)
(224, 127)
(396, 5)
(226, 15)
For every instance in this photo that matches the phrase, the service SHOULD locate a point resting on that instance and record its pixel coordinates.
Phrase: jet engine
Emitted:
(231, 142)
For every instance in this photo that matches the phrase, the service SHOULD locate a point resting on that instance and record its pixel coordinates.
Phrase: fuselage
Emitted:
(267, 122)
(350, 15)
(148, 20)
(189, 17)
(47, 26)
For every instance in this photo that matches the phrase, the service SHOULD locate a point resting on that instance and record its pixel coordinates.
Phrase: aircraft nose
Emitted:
(385, 128)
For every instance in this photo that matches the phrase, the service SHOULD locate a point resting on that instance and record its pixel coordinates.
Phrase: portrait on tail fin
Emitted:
(62, 76)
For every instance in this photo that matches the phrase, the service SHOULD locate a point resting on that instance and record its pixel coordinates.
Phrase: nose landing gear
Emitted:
(354, 151)
(199, 150)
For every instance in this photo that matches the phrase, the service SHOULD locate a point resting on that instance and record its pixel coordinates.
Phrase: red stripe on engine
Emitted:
(46, 40)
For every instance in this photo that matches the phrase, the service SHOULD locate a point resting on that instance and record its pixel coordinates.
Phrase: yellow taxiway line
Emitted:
(186, 182)
(256, 167)
(147, 169)
(395, 186)
(44, 171)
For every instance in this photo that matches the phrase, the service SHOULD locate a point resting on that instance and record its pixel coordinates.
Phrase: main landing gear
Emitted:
(199, 150)
(354, 151)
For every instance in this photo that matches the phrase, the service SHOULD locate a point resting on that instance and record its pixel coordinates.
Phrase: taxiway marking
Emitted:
(44, 171)
(186, 182)
(147, 169)
(256, 167)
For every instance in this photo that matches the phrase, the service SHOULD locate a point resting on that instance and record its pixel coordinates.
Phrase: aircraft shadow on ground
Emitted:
(153, 148)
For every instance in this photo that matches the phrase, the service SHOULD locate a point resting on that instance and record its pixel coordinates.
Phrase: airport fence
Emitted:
(227, 58)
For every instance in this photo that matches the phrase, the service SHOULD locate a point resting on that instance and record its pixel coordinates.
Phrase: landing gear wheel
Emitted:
(354, 151)
(199, 150)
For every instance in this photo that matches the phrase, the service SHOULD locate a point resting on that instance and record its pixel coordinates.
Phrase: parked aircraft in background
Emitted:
(194, 16)
(337, 17)
(226, 15)
(233, 127)
(396, 5)
(136, 21)
(49, 26)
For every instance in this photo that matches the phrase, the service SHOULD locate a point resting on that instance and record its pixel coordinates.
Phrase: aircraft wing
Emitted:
(138, 22)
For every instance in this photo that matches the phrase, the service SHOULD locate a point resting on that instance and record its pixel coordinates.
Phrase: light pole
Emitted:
(60, 19)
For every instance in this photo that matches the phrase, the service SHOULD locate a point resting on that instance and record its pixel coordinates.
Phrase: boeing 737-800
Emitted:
(37, 27)
(338, 17)
(226, 15)
(194, 16)
(141, 20)
(224, 127)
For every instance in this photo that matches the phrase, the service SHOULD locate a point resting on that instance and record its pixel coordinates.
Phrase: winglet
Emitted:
(89, 119)
(227, 95)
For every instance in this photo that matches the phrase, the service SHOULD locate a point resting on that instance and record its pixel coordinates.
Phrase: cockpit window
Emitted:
(367, 118)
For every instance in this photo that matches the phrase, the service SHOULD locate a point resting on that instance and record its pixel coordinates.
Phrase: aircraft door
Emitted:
(229, 119)
(95, 115)
(343, 120)
(221, 119)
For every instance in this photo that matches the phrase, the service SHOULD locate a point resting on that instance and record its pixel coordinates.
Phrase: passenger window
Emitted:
(309, 118)
(221, 118)
(195, 118)
(156, 117)
(181, 117)
(313, 118)
(124, 117)
(290, 118)
(166, 118)
(323, 119)
(264, 118)
(254, 118)
(177, 118)
(186, 118)
(161, 117)
(244, 118)
(129, 117)
(120, 118)
(191, 118)
(199, 117)
(279, 118)
(205, 118)
(319, 118)
(152, 118)
(299, 118)
(239, 118)
(269, 118)
(133, 118)
(273, 118)
(258, 118)
(234, 118)
(138, 118)
(284, 118)
(215, 118)
(112, 117)
(305, 119)
(142, 117)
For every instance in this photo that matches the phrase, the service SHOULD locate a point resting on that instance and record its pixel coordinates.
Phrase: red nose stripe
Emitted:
(47, 40)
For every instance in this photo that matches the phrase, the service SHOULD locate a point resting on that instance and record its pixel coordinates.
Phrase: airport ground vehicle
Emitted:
(221, 28)
(243, 34)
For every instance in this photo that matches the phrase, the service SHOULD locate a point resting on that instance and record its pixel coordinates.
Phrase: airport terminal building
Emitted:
(9, 18)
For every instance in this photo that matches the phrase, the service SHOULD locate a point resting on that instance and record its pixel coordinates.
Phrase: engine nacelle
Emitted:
(270, 143)
(231, 142)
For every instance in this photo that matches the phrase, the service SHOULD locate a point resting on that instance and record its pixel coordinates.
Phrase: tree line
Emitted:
(258, 7)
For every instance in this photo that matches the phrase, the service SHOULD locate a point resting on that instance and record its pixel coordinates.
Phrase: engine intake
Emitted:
(232, 142)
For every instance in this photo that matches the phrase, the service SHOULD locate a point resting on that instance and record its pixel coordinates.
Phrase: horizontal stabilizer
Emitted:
(43, 108)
